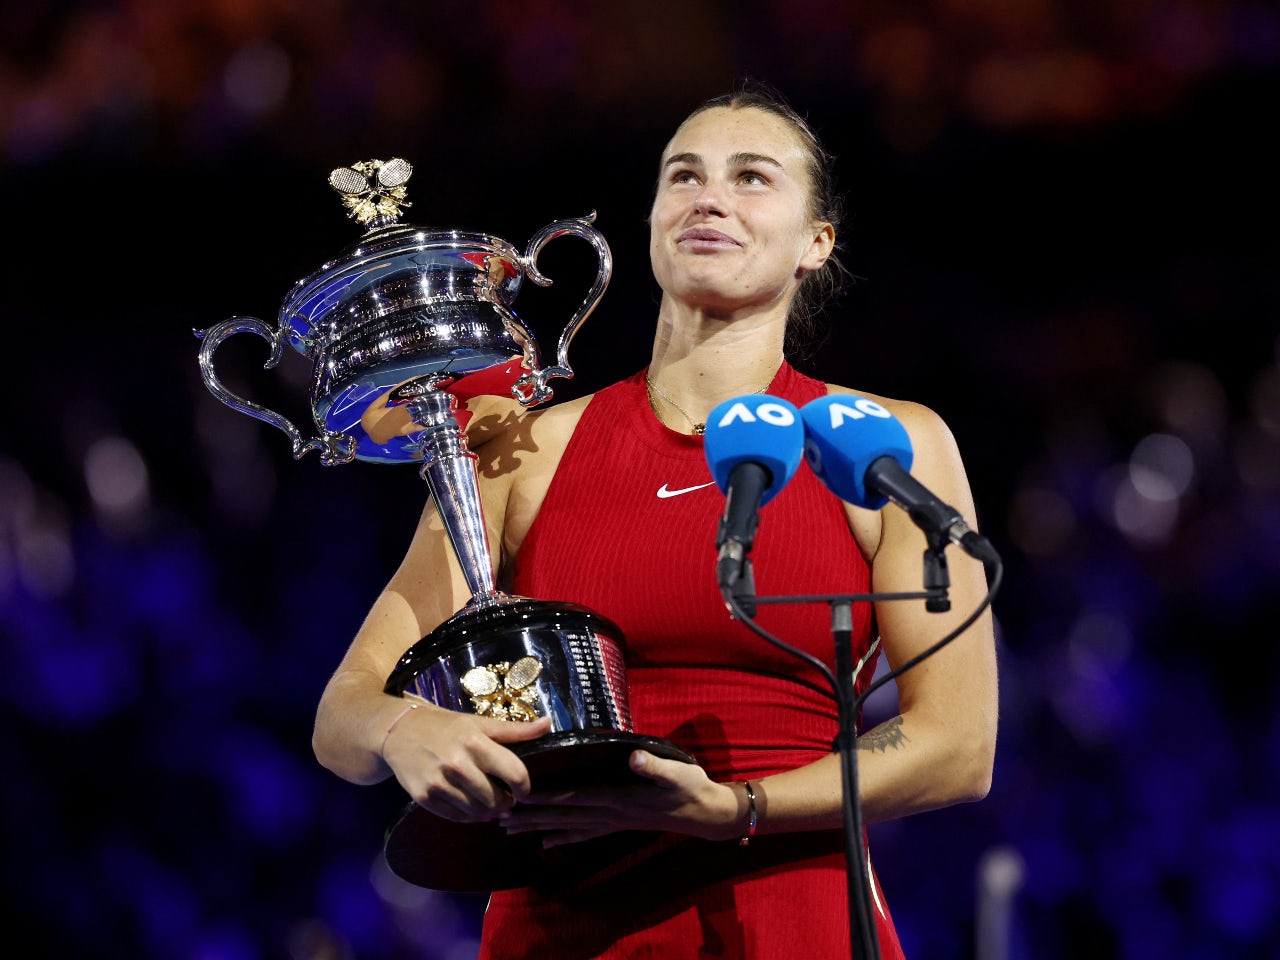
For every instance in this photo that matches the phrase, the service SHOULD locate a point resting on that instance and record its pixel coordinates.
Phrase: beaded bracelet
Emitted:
(392, 725)
(753, 819)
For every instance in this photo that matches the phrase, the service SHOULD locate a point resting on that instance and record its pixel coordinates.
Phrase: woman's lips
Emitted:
(705, 238)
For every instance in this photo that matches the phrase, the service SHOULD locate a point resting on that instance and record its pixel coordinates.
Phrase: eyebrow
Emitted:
(735, 160)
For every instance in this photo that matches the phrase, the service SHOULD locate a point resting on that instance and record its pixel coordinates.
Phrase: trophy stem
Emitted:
(449, 468)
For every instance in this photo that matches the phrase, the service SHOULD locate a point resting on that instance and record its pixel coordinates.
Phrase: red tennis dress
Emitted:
(628, 529)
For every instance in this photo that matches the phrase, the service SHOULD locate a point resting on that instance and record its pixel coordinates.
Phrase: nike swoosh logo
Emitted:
(664, 493)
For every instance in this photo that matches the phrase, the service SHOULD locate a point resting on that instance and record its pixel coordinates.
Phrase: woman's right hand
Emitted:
(456, 765)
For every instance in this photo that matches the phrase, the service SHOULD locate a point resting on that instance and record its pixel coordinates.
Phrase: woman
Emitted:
(742, 227)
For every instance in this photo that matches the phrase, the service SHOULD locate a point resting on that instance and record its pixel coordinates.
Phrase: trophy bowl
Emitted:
(404, 329)
(404, 311)
(431, 305)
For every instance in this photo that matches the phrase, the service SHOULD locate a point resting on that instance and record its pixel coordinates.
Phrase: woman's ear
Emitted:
(820, 247)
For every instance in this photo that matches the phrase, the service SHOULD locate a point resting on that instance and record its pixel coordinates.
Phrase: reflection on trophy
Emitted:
(403, 329)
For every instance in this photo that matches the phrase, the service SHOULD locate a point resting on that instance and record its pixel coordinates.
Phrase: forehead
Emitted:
(720, 132)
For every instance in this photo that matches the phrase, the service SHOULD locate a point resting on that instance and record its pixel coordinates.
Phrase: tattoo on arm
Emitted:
(881, 738)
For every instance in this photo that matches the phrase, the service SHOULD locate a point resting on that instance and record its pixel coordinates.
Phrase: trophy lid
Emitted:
(402, 314)
(393, 266)
(403, 305)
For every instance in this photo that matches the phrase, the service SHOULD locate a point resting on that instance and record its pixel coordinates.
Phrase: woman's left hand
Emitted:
(668, 795)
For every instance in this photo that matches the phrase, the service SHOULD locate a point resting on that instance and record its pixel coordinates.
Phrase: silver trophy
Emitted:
(404, 328)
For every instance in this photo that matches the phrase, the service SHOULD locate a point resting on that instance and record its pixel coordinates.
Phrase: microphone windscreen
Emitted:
(756, 428)
(844, 435)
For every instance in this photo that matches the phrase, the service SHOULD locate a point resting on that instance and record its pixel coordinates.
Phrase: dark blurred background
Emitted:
(1062, 221)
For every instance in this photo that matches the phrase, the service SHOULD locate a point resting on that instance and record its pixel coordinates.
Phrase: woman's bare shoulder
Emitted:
(934, 454)
(915, 416)
(505, 436)
(561, 419)
(527, 457)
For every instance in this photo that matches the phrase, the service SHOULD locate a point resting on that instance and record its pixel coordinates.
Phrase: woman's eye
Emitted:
(684, 176)
(752, 178)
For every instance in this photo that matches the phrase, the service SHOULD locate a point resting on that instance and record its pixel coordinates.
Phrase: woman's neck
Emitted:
(700, 360)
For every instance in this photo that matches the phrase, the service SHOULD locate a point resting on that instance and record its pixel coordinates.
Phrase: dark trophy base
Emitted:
(517, 658)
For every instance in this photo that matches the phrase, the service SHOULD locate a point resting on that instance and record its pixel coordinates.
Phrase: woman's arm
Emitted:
(454, 764)
(944, 738)
(937, 751)
(940, 748)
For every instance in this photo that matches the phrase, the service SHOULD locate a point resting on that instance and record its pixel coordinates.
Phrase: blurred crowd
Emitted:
(1060, 212)
(130, 77)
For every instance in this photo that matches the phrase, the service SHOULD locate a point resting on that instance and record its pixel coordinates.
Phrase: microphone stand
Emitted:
(936, 576)
(858, 872)
(740, 599)
(862, 928)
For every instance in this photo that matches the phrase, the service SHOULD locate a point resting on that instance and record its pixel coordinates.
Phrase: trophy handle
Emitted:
(334, 448)
(532, 388)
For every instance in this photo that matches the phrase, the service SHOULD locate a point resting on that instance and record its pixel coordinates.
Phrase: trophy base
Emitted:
(439, 854)
(515, 658)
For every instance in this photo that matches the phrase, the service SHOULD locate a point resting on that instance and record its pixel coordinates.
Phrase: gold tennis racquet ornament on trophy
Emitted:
(403, 329)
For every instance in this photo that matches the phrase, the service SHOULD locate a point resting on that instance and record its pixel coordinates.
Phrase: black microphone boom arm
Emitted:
(939, 521)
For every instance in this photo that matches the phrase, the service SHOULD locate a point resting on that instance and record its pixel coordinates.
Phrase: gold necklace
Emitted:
(698, 429)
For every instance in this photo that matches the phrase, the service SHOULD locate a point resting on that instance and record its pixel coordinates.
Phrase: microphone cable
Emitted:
(849, 707)
(997, 575)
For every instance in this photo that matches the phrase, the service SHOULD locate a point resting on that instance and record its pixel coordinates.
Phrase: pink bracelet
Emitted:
(392, 725)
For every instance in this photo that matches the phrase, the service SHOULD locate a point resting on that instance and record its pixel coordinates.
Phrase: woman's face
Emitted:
(730, 225)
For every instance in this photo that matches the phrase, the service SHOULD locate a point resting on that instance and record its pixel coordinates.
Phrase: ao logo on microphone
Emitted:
(858, 408)
(771, 413)
(841, 431)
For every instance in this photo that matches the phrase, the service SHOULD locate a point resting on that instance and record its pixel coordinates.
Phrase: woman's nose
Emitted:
(710, 199)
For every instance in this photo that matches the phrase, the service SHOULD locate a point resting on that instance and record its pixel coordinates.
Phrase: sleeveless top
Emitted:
(627, 529)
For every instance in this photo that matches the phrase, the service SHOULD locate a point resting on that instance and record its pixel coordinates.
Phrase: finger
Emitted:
(503, 763)
(477, 792)
(664, 772)
(447, 809)
(565, 798)
(558, 838)
(509, 731)
(451, 804)
(564, 821)
(468, 779)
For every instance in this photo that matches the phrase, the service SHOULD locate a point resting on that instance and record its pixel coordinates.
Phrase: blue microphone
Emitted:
(863, 455)
(753, 445)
